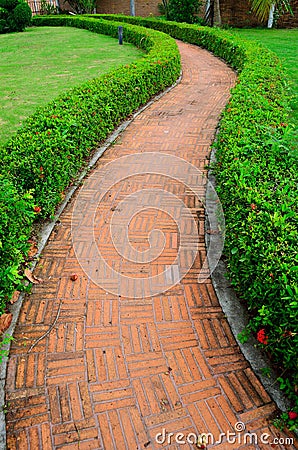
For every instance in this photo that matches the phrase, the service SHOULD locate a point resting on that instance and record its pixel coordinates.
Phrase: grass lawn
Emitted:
(39, 64)
(285, 44)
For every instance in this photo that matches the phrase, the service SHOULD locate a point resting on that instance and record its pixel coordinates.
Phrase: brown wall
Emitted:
(237, 14)
(287, 20)
(113, 7)
(143, 8)
(147, 8)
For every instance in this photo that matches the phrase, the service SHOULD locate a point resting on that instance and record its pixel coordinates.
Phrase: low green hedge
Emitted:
(16, 216)
(257, 179)
(49, 150)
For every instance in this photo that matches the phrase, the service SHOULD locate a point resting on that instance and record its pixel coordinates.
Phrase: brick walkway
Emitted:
(116, 365)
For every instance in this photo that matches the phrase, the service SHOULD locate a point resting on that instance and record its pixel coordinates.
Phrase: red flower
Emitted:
(262, 337)
(253, 206)
(292, 415)
(37, 209)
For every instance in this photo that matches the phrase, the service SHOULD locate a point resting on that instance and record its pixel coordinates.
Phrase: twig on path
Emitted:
(47, 332)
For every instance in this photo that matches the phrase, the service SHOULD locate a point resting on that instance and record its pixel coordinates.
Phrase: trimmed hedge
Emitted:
(257, 179)
(16, 216)
(47, 153)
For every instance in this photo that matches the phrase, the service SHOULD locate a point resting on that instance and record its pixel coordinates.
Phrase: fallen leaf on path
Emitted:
(212, 231)
(32, 250)
(15, 297)
(32, 278)
(5, 321)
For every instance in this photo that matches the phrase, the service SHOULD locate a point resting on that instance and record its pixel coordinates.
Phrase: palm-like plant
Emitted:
(264, 9)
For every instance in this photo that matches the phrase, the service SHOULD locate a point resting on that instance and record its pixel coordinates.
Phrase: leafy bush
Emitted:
(257, 178)
(9, 5)
(183, 10)
(48, 8)
(2, 25)
(16, 216)
(15, 15)
(21, 17)
(53, 145)
(3, 14)
(83, 6)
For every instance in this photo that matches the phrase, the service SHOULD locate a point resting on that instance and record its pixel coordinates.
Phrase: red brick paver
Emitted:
(113, 370)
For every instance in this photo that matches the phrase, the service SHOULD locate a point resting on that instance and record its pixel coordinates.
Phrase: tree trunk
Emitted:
(132, 8)
(271, 16)
(217, 15)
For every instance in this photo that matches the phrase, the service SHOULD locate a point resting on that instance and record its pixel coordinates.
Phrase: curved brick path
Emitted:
(114, 371)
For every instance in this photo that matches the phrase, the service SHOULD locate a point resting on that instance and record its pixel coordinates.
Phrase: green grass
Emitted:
(39, 64)
(285, 44)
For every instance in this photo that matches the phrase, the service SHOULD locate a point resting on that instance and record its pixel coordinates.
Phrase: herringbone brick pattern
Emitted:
(93, 370)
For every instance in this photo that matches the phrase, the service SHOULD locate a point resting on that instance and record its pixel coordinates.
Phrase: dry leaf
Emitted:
(212, 232)
(15, 297)
(5, 321)
(32, 278)
(32, 250)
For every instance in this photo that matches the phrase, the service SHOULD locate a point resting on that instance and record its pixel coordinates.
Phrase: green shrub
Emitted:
(47, 8)
(183, 10)
(3, 14)
(82, 6)
(16, 217)
(15, 15)
(21, 16)
(257, 178)
(9, 5)
(2, 26)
